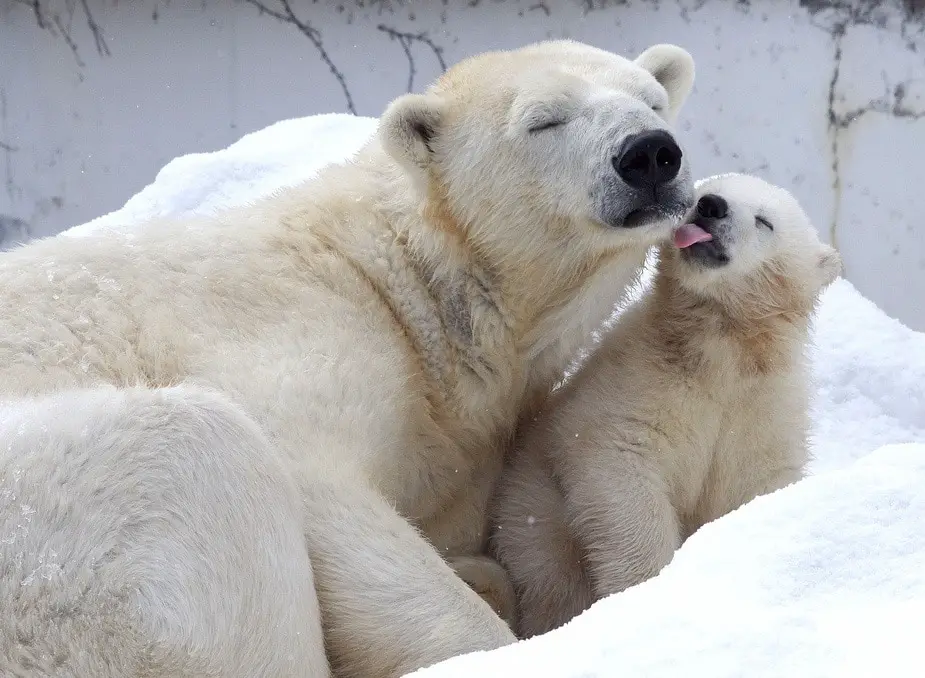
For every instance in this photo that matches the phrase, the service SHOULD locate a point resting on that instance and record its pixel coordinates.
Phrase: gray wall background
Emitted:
(826, 97)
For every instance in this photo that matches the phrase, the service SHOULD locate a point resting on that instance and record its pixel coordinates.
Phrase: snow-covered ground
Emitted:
(825, 578)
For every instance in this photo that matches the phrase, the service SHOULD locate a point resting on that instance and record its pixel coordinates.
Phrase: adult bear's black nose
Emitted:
(648, 159)
(712, 206)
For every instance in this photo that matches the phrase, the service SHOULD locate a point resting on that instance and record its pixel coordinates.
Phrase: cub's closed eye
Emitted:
(548, 124)
(761, 221)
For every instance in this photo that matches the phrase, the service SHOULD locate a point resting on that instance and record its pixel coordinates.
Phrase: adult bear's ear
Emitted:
(673, 68)
(409, 127)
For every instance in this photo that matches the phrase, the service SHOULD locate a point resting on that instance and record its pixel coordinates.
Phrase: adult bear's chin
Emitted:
(646, 216)
(627, 209)
(666, 212)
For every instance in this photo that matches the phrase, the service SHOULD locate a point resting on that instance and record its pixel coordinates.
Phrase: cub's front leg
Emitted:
(531, 538)
(749, 486)
(621, 516)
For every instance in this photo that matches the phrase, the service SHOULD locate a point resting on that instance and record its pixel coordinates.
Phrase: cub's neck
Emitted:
(758, 331)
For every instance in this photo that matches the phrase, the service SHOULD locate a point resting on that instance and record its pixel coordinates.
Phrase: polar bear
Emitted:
(350, 355)
(695, 403)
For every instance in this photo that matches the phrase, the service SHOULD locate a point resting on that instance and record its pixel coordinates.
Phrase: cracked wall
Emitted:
(824, 96)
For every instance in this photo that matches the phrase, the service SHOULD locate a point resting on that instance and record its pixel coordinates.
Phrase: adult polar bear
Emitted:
(216, 420)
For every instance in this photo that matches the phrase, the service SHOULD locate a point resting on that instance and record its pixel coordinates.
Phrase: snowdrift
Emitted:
(823, 578)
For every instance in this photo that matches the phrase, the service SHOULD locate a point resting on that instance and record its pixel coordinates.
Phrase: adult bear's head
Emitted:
(554, 145)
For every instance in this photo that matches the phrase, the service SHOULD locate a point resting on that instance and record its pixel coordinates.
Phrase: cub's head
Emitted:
(555, 144)
(746, 236)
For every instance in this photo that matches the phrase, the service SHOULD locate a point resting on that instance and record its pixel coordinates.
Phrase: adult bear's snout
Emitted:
(648, 159)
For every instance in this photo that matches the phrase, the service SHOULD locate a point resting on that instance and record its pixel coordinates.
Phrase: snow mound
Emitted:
(282, 154)
(870, 379)
(823, 578)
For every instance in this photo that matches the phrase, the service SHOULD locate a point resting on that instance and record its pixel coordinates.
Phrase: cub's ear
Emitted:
(408, 128)
(829, 264)
(673, 68)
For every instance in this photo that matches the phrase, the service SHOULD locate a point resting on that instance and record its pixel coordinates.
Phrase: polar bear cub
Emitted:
(693, 405)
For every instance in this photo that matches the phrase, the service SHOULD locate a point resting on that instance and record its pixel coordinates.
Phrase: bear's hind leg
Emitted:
(150, 533)
(390, 603)
(488, 578)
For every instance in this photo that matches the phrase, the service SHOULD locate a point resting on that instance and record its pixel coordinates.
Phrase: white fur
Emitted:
(374, 334)
(695, 403)
(131, 548)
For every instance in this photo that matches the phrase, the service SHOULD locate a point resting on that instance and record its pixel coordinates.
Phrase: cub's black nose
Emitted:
(712, 206)
(648, 159)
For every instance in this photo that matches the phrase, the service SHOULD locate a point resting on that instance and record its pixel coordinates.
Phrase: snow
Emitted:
(282, 154)
(823, 578)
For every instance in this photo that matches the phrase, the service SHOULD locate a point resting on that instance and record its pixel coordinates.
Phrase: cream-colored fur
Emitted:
(374, 336)
(695, 403)
(124, 531)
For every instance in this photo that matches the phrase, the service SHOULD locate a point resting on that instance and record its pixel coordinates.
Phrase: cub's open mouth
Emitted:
(690, 234)
(696, 243)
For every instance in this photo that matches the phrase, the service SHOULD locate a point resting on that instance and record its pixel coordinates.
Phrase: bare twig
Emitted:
(101, 47)
(61, 21)
(36, 6)
(287, 15)
(405, 40)
(66, 34)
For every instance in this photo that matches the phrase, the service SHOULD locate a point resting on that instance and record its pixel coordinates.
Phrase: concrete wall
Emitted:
(826, 97)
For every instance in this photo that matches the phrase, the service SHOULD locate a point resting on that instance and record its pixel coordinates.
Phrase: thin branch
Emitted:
(101, 47)
(54, 23)
(66, 34)
(263, 9)
(406, 46)
(36, 6)
(417, 37)
(405, 40)
(314, 36)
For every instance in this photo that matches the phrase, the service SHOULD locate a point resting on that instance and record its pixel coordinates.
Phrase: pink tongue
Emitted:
(689, 234)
